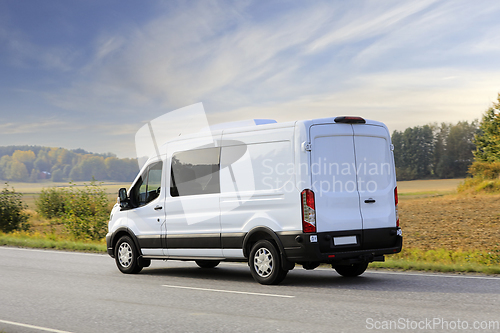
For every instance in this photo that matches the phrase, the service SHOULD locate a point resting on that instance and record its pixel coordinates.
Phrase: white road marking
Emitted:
(32, 326)
(228, 291)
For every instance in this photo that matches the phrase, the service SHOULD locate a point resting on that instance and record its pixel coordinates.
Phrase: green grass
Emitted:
(50, 241)
(442, 260)
(407, 265)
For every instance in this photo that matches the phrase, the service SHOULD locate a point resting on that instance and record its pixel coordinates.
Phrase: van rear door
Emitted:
(375, 176)
(352, 170)
(333, 172)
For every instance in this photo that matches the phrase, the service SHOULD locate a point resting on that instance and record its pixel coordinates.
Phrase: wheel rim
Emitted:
(125, 254)
(263, 262)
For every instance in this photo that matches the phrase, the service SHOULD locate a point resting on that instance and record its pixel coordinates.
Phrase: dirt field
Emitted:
(438, 186)
(464, 222)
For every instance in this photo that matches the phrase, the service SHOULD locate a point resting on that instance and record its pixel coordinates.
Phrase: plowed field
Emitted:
(467, 222)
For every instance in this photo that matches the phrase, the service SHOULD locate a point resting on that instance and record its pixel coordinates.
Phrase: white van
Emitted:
(270, 194)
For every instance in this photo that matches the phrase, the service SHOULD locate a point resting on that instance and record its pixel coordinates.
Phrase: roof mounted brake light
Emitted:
(350, 120)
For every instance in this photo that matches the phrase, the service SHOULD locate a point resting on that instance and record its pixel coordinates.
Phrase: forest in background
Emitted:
(435, 151)
(35, 163)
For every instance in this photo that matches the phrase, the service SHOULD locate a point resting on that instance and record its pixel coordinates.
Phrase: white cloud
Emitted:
(399, 99)
(373, 19)
(7, 128)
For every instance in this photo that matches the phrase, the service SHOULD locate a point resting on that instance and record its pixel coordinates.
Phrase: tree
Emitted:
(440, 136)
(57, 175)
(18, 172)
(487, 141)
(122, 170)
(460, 147)
(34, 175)
(42, 161)
(90, 166)
(12, 216)
(5, 163)
(453, 149)
(25, 157)
(413, 150)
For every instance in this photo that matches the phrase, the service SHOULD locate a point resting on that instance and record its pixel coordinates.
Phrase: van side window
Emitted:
(256, 167)
(195, 172)
(148, 185)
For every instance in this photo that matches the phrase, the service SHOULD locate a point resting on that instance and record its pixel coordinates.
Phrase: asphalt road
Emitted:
(53, 291)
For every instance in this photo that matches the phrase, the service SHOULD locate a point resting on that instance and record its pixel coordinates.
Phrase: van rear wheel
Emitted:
(207, 263)
(265, 263)
(351, 270)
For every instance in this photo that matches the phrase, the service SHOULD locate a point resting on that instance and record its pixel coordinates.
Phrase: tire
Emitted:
(126, 256)
(265, 263)
(310, 265)
(207, 263)
(351, 270)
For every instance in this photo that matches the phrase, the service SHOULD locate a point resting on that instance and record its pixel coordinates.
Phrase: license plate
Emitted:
(346, 240)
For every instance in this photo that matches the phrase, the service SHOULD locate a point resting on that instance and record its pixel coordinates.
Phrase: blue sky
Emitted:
(89, 74)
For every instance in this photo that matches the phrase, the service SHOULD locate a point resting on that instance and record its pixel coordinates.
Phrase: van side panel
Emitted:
(192, 221)
(257, 185)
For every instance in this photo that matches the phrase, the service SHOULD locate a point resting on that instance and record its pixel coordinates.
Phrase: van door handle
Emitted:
(369, 200)
(158, 207)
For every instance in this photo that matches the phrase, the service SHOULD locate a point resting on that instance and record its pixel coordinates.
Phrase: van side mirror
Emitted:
(122, 195)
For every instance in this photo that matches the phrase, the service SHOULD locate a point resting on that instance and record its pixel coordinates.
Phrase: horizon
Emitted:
(81, 150)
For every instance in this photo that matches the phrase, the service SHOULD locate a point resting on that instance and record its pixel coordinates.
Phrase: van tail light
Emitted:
(396, 202)
(308, 211)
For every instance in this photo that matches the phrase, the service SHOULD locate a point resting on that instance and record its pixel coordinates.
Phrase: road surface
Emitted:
(54, 291)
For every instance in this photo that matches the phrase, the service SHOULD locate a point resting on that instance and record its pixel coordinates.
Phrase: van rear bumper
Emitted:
(370, 246)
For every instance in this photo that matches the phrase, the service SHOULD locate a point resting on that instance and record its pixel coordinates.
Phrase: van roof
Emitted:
(240, 123)
(259, 124)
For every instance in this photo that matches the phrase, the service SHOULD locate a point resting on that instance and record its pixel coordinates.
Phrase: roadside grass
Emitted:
(443, 260)
(50, 241)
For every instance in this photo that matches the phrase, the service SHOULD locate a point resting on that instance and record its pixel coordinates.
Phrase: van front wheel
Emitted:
(351, 270)
(126, 256)
(265, 263)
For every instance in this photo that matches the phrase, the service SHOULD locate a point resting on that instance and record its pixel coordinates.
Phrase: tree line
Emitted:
(435, 151)
(34, 163)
